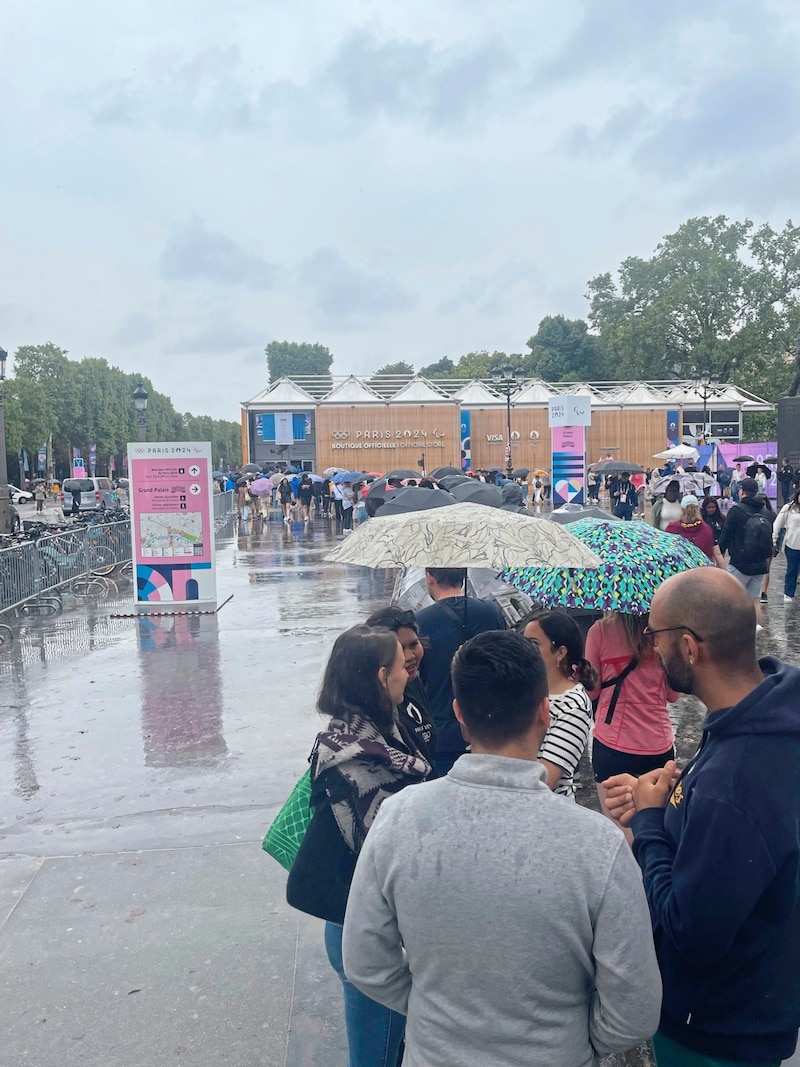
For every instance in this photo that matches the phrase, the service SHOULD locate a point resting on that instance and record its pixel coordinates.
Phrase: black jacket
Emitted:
(721, 869)
(732, 537)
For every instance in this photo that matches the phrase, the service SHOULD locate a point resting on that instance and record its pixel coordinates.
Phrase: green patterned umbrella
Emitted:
(635, 559)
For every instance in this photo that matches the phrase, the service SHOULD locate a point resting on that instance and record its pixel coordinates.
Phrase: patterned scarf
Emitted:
(369, 769)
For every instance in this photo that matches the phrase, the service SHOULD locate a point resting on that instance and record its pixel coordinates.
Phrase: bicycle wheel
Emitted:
(6, 635)
(101, 559)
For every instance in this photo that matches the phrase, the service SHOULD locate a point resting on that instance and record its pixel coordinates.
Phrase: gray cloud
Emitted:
(491, 293)
(736, 116)
(402, 79)
(135, 330)
(342, 294)
(219, 337)
(193, 253)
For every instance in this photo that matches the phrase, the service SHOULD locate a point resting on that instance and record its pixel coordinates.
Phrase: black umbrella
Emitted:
(403, 473)
(478, 493)
(571, 512)
(442, 472)
(616, 466)
(412, 498)
(451, 480)
(770, 459)
(743, 459)
(377, 494)
(521, 472)
(251, 468)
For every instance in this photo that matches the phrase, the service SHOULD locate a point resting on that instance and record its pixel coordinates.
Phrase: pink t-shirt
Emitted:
(640, 724)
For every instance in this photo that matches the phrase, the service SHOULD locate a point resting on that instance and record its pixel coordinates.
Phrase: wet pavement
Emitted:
(142, 761)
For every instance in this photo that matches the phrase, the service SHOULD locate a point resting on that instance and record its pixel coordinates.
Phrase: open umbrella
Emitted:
(261, 486)
(540, 472)
(770, 459)
(569, 513)
(478, 493)
(442, 472)
(402, 472)
(404, 501)
(616, 466)
(347, 476)
(678, 452)
(635, 560)
(251, 468)
(521, 472)
(316, 478)
(218, 474)
(449, 481)
(330, 471)
(462, 535)
(689, 481)
(744, 458)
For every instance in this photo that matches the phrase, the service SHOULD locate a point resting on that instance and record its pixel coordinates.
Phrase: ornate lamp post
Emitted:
(705, 385)
(140, 396)
(6, 519)
(508, 379)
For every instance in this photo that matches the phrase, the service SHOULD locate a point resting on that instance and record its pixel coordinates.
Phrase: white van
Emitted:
(96, 494)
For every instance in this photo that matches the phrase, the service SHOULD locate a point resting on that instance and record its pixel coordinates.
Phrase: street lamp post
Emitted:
(508, 379)
(705, 384)
(140, 396)
(6, 520)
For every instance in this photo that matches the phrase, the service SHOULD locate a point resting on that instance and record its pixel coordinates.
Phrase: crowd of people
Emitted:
(482, 916)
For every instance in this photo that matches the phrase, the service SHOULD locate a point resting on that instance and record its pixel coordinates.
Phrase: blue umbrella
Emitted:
(347, 476)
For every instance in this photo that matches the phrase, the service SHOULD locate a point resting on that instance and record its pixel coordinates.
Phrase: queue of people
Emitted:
(475, 914)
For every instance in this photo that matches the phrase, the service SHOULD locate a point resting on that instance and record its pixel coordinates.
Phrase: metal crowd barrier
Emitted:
(224, 509)
(30, 569)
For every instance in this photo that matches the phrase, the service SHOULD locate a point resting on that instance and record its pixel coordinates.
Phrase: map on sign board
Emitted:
(176, 534)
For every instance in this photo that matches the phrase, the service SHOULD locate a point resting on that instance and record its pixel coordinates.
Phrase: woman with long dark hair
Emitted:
(711, 514)
(366, 753)
(286, 497)
(632, 730)
(569, 675)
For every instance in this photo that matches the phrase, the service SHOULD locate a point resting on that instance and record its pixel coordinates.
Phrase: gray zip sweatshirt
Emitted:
(507, 923)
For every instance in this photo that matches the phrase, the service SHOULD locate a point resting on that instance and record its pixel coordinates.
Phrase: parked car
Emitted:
(97, 494)
(19, 496)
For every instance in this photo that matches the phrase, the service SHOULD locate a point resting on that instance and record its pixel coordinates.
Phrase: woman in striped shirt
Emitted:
(569, 675)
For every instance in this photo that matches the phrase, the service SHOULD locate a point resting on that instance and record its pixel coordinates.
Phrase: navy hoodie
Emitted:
(721, 868)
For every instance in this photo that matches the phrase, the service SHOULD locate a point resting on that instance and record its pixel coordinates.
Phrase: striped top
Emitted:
(567, 734)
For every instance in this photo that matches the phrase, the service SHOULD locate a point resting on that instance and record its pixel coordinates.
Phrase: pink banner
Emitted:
(759, 450)
(569, 465)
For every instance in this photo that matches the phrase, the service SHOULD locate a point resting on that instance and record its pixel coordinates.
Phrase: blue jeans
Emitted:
(792, 568)
(374, 1033)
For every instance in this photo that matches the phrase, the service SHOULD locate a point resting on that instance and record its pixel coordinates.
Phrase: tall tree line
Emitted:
(86, 402)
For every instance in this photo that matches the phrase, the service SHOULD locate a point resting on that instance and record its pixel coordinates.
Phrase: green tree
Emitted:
(443, 368)
(291, 358)
(401, 368)
(564, 350)
(479, 364)
(716, 296)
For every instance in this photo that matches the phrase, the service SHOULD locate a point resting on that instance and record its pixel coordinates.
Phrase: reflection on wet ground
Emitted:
(128, 737)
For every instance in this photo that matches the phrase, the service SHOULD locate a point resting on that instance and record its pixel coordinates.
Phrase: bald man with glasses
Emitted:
(719, 844)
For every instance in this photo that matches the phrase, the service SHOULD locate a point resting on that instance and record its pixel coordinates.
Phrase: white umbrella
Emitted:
(678, 452)
(463, 535)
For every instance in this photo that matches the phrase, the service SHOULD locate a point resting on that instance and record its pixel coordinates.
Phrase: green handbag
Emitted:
(285, 836)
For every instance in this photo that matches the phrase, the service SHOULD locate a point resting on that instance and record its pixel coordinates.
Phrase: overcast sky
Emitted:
(184, 181)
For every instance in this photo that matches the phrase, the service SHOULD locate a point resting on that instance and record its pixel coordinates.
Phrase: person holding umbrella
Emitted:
(624, 498)
(305, 492)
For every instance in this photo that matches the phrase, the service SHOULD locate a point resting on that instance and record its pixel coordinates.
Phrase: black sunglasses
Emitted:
(666, 629)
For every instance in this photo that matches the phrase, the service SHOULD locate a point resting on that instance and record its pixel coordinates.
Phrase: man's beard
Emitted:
(679, 674)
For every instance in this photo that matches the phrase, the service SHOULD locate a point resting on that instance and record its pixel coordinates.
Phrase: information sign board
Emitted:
(172, 519)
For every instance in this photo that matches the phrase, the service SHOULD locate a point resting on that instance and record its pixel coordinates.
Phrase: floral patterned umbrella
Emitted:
(463, 535)
(635, 560)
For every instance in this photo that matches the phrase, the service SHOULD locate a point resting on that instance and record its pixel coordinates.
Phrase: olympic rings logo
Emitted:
(340, 435)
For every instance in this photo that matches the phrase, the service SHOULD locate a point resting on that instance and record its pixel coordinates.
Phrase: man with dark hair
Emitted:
(450, 621)
(509, 926)
(720, 847)
(747, 536)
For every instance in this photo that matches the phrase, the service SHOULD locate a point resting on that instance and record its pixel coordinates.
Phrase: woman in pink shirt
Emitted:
(632, 733)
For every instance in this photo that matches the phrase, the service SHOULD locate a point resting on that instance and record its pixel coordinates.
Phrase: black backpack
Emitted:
(757, 538)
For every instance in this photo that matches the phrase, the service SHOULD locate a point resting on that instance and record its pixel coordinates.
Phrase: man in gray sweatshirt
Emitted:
(509, 925)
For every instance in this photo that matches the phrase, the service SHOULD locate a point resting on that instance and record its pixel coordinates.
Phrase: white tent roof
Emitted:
(352, 391)
(284, 394)
(637, 393)
(534, 393)
(420, 391)
(476, 395)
